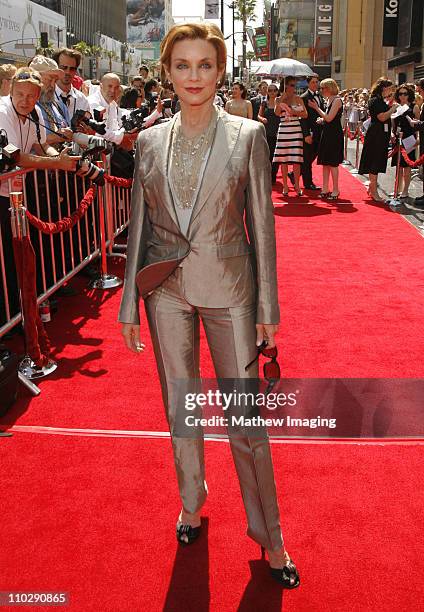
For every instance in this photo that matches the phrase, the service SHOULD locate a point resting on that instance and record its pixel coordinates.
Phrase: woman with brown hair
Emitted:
(201, 246)
(289, 148)
(376, 144)
(405, 94)
(271, 122)
(238, 105)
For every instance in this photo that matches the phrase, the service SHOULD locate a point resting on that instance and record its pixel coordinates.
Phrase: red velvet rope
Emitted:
(118, 182)
(393, 152)
(412, 164)
(36, 339)
(349, 133)
(66, 223)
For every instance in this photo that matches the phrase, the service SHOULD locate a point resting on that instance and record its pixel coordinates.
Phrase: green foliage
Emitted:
(245, 10)
(83, 47)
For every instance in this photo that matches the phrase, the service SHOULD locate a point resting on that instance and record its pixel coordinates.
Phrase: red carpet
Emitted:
(90, 515)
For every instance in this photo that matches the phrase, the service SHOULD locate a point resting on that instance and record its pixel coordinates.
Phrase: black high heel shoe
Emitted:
(186, 534)
(287, 576)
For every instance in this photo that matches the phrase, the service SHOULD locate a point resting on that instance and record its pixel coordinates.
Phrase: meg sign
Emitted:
(323, 33)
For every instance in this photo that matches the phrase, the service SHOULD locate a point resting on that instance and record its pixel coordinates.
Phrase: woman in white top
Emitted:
(238, 105)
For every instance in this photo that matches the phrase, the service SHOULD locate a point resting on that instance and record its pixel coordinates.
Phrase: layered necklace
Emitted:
(187, 157)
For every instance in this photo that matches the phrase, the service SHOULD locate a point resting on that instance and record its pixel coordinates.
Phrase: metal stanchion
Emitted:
(27, 370)
(355, 170)
(106, 281)
(345, 161)
(395, 202)
(111, 211)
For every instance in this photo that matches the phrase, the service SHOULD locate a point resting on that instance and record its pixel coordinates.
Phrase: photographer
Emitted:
(6, 74)
(24, 127)
(68, 98)
(106, 98)
(56, 128)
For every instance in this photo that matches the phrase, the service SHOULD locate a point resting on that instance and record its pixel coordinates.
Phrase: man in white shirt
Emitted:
(106, 97)
(69, 99)
(21, 121)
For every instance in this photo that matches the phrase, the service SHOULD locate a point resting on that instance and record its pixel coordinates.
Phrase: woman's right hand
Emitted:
(131, 334)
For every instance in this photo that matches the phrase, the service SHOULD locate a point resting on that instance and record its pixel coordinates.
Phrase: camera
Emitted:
(9, 154)
(135, 119)
(167, 102)
(81, 116)
(93, 146)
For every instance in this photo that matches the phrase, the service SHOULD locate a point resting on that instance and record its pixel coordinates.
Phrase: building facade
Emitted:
(359, 57)
(372, 38)
(86, 18)
(303, 30)
(406, 61)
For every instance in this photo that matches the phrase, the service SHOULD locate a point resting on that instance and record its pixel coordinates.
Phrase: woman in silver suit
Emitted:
(200, 180)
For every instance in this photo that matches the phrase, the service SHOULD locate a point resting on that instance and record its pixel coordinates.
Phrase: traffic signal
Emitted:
(44, 40)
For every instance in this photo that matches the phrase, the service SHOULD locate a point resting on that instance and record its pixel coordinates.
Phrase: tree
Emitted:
(245, 11)
(48, 51)
(83, 48)
(250, 55)
(111, 55)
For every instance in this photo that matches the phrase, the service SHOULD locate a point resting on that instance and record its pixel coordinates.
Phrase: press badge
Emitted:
(386, 127)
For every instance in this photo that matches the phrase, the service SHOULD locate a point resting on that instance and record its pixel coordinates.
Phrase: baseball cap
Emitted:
(46, 64)
(27, 75)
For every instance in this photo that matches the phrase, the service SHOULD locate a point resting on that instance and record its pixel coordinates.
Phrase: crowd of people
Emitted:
(50, 113)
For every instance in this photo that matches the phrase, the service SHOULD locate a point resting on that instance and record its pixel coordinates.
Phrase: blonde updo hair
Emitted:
(193, 31)
(331, 85)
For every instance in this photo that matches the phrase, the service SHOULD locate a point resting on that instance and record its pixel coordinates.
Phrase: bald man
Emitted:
(106, 97)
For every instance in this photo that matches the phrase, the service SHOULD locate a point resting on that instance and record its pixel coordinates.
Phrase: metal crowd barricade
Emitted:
(51, 196)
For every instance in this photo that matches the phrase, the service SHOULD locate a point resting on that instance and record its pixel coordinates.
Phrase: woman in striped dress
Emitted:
(289, 148)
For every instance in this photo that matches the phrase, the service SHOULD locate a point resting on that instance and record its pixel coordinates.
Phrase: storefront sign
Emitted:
(323, 33)
(390, 23)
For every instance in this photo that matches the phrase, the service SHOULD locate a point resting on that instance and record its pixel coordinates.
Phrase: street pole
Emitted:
(244, 49)
(234, 45)
(222, 16)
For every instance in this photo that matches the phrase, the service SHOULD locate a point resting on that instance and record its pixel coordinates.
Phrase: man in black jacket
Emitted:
(420, 90)
(258, 99)
(311, 131)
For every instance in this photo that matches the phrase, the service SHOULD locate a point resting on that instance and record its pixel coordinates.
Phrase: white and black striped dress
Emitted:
(289, 147)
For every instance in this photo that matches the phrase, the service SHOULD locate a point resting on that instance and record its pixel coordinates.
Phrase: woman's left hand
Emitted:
(265, 331)
(313, 104)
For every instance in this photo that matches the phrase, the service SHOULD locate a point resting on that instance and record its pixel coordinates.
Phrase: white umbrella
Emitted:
(284, 67)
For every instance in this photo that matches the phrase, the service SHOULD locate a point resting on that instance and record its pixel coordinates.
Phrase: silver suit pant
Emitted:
(231, 335)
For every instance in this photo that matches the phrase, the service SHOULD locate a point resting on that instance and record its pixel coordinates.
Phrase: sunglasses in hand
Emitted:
(272, 371)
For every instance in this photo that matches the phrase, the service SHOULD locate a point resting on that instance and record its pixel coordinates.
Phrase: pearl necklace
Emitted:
(187, 157)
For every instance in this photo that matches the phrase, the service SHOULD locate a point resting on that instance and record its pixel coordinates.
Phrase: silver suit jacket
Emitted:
(229, 255)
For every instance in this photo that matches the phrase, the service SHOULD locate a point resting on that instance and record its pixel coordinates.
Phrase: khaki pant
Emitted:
(231, 335)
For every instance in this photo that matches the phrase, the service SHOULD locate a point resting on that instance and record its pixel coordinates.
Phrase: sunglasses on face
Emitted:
(24, 76)
(272, 372)
(70, 68)
(403, 93)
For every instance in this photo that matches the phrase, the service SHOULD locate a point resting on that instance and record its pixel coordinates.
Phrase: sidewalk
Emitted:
(386, 184)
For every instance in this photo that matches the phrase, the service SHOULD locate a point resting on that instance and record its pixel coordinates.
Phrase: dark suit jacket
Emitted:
(256, 105)
(310, 124)
(222, 265)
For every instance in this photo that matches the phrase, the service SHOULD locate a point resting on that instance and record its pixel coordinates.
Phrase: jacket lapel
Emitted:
(162, 160)
(226, 136)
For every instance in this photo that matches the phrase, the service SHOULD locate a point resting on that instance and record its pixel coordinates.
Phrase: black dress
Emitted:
(406, 130)
(271, 129)
(377, 138)
(330, 152)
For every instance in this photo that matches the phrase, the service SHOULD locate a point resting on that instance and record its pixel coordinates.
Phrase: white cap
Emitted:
(46, 64)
